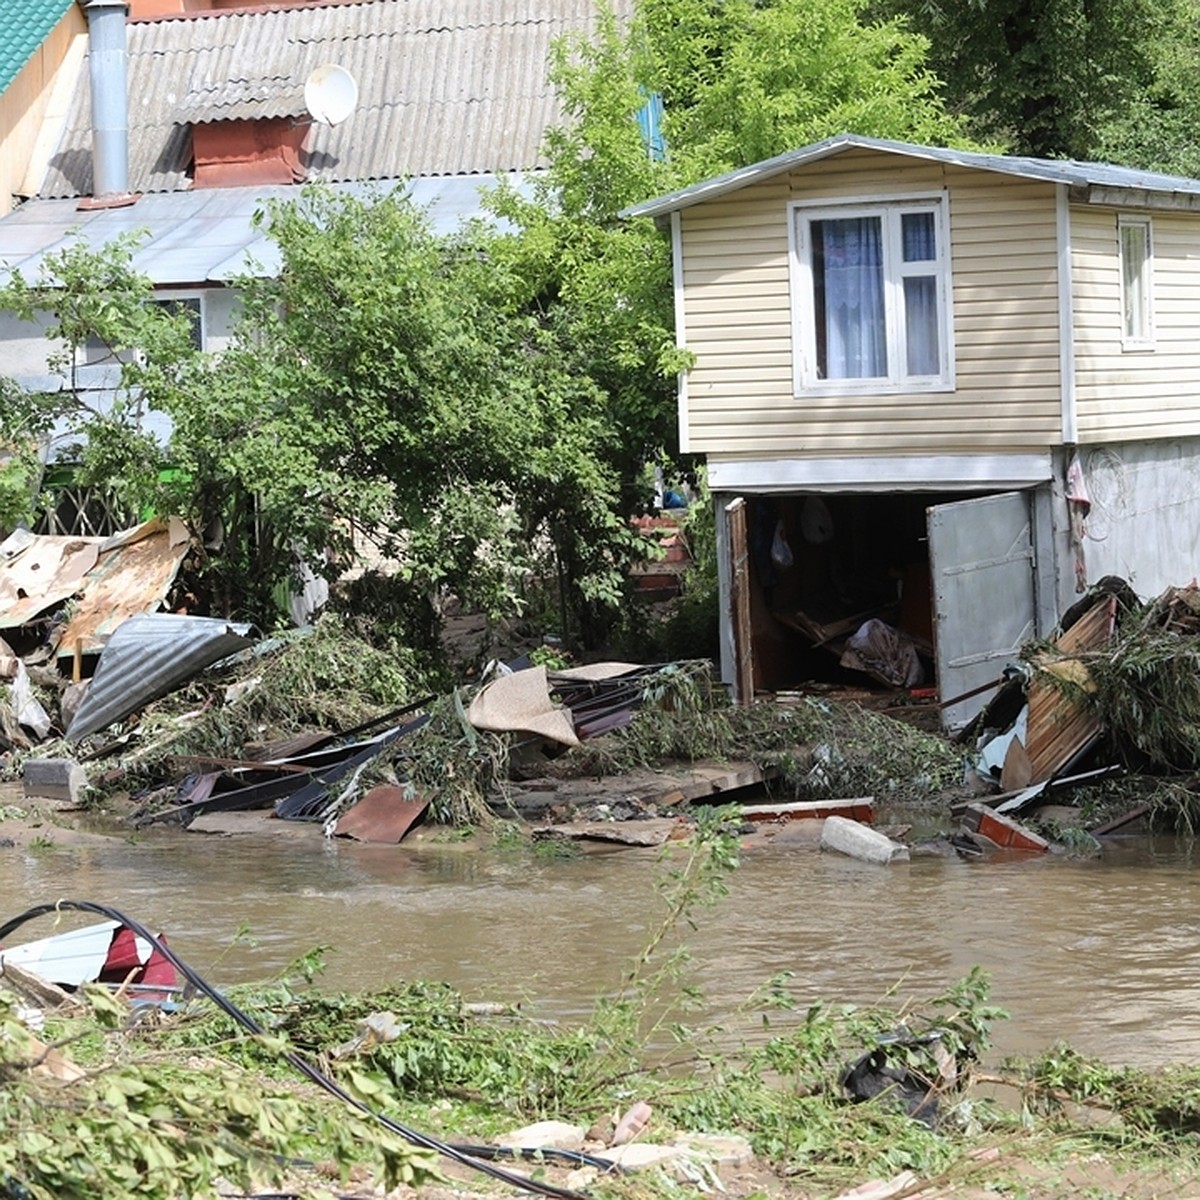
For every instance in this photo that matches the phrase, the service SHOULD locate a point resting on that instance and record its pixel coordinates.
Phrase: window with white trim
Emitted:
(190, 304)
(1137, 316)
(873, 297)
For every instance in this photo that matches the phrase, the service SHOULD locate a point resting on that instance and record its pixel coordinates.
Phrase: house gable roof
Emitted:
(24, 25)
(1103, 183)
(446, 87)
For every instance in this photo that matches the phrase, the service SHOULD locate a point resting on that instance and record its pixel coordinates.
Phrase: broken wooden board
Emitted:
(861, 808)
(666, 788)
(653, 831)
(1060, 727)
(1003, 831)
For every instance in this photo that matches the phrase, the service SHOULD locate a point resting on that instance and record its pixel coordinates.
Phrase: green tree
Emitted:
(742, 81)
(384, 388)
(95, 300)
(1159, 129)
(1043, 77)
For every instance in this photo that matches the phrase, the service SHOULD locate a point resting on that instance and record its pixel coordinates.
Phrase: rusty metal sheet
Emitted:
(133, 572)
(38, 572)
(384, 814)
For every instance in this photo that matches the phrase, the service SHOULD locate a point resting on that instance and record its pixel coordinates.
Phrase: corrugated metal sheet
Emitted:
(445, 87)
(107, 579)
(207, 236)
(38, 572)
(1074, 174)
(149, 656)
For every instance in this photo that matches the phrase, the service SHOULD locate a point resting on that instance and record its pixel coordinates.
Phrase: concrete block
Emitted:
(549, 1134)
(638, 1156)
(860, 841)
(721, 1149)
(54, 779)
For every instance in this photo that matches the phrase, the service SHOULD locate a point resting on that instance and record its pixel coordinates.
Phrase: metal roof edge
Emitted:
(731, 181)
(248, 9)
(1066, 171)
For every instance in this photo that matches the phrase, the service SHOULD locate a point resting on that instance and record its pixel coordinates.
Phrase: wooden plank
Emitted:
(739, 601)
(861, 808)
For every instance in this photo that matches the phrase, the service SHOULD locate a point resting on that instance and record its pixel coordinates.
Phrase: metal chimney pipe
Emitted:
(110, 100)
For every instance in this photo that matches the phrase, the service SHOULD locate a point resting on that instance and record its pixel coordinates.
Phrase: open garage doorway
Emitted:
(902, 589)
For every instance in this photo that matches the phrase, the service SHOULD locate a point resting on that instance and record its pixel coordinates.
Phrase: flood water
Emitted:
(1103, 953)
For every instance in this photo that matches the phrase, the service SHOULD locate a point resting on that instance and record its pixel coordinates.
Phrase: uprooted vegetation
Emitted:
(113, 1098)
(328, 680)
(1144, 687)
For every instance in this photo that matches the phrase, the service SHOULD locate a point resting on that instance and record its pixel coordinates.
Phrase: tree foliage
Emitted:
(480, 409)
(743, 81)
(1045, 77)
(95, 300)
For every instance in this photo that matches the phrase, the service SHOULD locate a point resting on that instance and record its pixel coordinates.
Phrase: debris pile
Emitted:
(1115, 691)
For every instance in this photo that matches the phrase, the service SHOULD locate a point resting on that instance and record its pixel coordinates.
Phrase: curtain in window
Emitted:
(918, 234)
(848, 286)
(921, 325)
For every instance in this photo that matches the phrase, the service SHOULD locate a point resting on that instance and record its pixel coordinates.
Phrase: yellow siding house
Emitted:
(939, 389)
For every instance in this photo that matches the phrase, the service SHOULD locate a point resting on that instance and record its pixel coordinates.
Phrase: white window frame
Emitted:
(89, 357)
(1144, 339)
(801, 214)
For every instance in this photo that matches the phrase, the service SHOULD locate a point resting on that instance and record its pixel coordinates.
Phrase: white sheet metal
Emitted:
(981, 557)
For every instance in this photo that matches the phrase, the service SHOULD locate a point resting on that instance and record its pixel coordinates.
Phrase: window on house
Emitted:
(1137, 326)
(873, 296)
(97, 352)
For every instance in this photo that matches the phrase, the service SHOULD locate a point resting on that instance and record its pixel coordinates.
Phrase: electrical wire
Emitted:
(465, 1156)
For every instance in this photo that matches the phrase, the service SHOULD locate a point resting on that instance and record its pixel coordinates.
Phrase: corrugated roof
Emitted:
(149, 655)
(208, 236)
(24, 25)
(1075, 174)
(445, 87)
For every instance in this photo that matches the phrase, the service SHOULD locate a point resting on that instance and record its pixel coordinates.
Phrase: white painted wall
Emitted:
(1144, 523)
(24, 348)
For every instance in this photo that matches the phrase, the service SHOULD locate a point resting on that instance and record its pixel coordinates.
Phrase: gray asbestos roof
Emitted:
(1074, 174)
(206, 236)
(445, 87)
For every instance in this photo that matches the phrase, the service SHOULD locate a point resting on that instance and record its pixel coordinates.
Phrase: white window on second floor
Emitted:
(1137, 277)
(872, 297)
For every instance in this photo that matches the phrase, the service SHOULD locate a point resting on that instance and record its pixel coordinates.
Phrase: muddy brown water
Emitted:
(1103, 953)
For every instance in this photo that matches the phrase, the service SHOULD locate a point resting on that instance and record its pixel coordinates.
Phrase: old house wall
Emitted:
(31, 100)
(1144, 522)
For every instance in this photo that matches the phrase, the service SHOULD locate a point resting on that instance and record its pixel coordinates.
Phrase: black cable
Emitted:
(424, 1140)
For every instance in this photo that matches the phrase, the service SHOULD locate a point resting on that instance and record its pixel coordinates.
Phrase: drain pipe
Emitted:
(110, 103)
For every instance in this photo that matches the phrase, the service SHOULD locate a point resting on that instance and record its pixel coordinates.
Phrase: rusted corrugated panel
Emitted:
(384, 814)
(147, 657)
(444, 88)
(133, 572)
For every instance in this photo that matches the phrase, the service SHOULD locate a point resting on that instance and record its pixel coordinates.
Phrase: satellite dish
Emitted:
(330, 94)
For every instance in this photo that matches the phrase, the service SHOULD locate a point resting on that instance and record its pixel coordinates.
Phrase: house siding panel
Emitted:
(738, 312)
(1133, 395)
